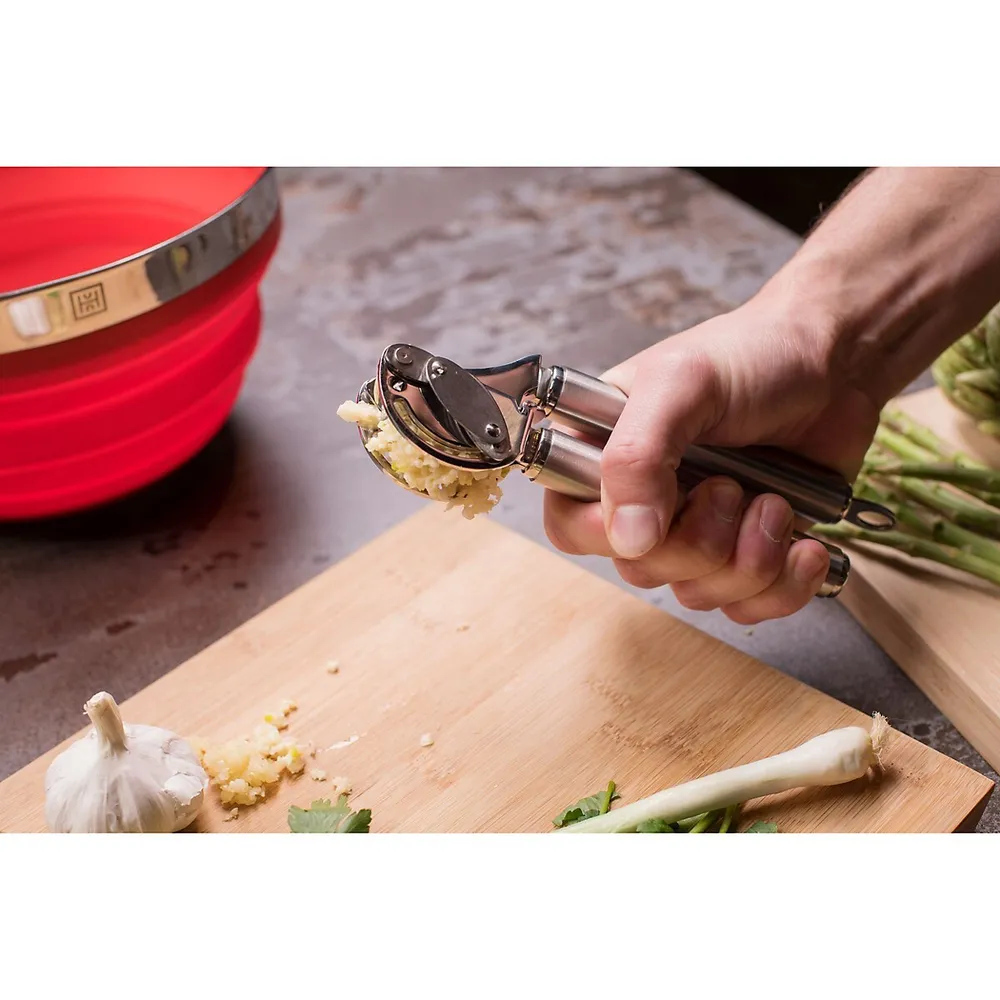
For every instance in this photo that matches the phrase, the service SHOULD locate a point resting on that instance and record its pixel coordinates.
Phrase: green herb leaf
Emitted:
(592, 805)
(656, 826)
(759, 826)
(324, 817)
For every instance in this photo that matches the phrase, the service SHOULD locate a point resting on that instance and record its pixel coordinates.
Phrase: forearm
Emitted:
(905, 264)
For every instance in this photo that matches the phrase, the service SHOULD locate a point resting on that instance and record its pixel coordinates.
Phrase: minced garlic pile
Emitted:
(243, 768)
(475, 492)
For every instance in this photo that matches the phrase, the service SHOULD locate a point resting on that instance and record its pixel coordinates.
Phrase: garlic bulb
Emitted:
(123, 779)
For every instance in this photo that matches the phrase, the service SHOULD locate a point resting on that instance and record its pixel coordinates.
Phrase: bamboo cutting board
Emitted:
(941, 627)
(538, 681)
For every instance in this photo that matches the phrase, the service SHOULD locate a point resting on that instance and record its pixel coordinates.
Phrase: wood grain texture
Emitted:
(939, 625)
(560, 682)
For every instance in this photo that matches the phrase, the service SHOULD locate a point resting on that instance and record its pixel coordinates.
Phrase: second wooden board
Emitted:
(940, 626)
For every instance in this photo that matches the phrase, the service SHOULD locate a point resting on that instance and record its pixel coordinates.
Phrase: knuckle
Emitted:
(787, 603)
(714, 551)
(555, 529)
(629, 457)
(636, 575)
(779, 604)
(693, 598)
(759, 568)
(710, 539)
(741, 616)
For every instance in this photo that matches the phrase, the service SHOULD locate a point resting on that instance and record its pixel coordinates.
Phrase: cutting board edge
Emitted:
(972, 821)
(923, 669)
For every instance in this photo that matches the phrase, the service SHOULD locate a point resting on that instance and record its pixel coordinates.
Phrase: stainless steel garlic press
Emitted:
(501, 417)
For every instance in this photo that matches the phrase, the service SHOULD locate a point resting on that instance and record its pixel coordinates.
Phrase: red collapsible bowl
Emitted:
(129, 311)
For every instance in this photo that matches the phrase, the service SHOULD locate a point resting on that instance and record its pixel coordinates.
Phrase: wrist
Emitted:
(905, 265)
(809, 302)
(874, 326)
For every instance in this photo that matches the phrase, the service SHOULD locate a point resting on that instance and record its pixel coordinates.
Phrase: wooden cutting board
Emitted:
(940, 626)
(560, 682)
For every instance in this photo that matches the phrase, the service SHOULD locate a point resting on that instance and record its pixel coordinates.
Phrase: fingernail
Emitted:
(634, 530)
(725, 499)
(808, 565)
(775, 519)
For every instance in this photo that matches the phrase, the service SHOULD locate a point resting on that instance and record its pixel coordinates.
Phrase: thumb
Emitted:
(670, 406)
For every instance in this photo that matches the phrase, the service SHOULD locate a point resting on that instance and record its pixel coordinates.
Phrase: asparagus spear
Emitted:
(894, 419)
(972, 347)
(968, 373)
(918, 548)
(926, 457)
(987, 379)
(931, 525)
(981, 481)
(991, 335)
(901, 434)
(984, 520)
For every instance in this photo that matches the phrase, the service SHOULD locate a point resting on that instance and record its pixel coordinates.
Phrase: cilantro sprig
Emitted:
(592, 805)
(326, 817)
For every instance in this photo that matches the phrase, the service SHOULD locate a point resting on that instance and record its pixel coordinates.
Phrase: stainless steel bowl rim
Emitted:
(92, 300)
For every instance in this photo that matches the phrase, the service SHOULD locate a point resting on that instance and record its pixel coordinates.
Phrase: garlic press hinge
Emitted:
(476, 418)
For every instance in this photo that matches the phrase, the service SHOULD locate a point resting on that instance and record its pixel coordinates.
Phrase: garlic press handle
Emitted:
(815, 493)
(572, 467)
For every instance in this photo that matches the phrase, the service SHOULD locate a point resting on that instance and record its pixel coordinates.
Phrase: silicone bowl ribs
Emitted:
(87, 420)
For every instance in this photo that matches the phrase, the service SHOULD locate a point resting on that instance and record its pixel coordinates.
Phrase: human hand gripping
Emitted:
(736, 380)
(902, 267)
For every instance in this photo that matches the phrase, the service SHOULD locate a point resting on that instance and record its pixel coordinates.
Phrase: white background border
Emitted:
(513, 83)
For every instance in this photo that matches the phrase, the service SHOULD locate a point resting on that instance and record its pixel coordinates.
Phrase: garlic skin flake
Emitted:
(123, 778)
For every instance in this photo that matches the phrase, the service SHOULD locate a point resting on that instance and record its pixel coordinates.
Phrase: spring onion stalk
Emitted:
(728, 818)
(707, 823)
(834, 758)
(688, 825)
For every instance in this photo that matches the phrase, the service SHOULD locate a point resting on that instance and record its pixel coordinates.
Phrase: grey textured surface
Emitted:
(585, 266)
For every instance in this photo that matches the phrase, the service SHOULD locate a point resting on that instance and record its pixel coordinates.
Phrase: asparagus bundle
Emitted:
(947, 504)
(968, 373)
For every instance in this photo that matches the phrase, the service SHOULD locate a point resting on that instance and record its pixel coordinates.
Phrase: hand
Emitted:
(742, 378)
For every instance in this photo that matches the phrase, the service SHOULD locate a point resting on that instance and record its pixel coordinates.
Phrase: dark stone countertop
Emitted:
(585, 266)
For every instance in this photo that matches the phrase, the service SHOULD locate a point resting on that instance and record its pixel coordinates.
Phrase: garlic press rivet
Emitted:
(492, 431)
(403, 356)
